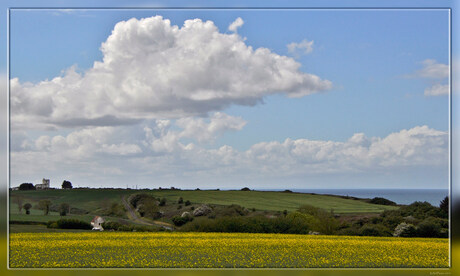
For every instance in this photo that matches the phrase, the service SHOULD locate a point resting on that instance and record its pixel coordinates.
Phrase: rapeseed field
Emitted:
(222, 250)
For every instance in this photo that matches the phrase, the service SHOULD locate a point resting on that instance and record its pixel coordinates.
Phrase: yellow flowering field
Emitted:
(221, 250)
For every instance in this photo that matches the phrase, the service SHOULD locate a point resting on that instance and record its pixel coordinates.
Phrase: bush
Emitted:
(187, 203)
(180, 200)
(162, 202)
(324, 222)
(111, 225)
(376, 230)
(138, 199)
(26, 187)
(288, 225)
(405, 230)
(428, 228)
(73, 224)
(381, 201)
(179, 221)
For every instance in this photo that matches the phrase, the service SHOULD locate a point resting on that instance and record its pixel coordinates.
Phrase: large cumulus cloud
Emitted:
(152, 69)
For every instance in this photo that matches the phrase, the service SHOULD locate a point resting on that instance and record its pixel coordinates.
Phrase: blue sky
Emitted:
(375, 60)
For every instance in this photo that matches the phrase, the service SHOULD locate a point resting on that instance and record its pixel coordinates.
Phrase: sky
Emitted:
(268, 99)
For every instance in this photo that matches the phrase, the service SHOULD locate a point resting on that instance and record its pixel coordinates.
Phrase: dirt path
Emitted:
(133, 216)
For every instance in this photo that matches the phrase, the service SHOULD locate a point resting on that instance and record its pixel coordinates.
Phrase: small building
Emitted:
(45, 185)
(97, 222)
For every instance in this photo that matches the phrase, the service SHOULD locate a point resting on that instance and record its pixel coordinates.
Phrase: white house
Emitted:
(97, 222)
(45, 184)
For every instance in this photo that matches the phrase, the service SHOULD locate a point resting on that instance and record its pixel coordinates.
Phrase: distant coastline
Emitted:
(400, 196)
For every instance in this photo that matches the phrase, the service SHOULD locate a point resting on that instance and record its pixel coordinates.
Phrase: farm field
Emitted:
(91, 199)
(222, 250)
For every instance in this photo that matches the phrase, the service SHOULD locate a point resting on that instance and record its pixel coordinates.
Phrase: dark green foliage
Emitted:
(245, 189)
(381, 201)
(430, 227)
(115, 210)
(187, 203)
(64, 209)
(27, 207)
(376, 230)
(325, 223)
(111, 225)
(73, 224)
(44, 205)
(285, 212)
(116, 226)
(287, 191)
(179, 207)
(232, 210)
(259, 224)
(137, 199)
(180, 200)
(162, 201)
(179, 221)
(149, 209)
(26, 186)
(444, 206)
(66, 185)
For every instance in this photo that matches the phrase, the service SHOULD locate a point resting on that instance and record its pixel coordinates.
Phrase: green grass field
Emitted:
(92, 199)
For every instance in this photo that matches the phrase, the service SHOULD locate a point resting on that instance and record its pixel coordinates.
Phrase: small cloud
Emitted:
(433, 70)
(305, 47)
(236, 24)
(437, 90)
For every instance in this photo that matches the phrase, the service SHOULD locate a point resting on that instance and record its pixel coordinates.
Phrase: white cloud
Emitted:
(236, 24)
(203, 131)
(304, 47)
(152, 69)
(164, 156)
(433, 69)
(437, 90)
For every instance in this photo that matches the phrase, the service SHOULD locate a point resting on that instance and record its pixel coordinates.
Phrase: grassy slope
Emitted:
(273, 201)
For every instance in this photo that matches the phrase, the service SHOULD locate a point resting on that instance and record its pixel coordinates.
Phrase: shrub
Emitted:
(430, 227)
(179, 221)
(258, 224)
(73, 224)
(138, 199)
(111, 225)
(26, 186)
(187, 203)
(381, 201)
(375, 230)
(52, 224)
(405, 230)
(180, 200)
(162, 201)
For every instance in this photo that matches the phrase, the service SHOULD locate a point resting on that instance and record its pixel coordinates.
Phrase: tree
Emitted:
(64, 208)
(66, 185)
(26, 187)
(18, 201)
(27, 207)
(45, 206)
(245, 189)
(444, 205)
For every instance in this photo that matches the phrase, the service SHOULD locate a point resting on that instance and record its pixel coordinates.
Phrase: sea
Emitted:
(400, 196)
